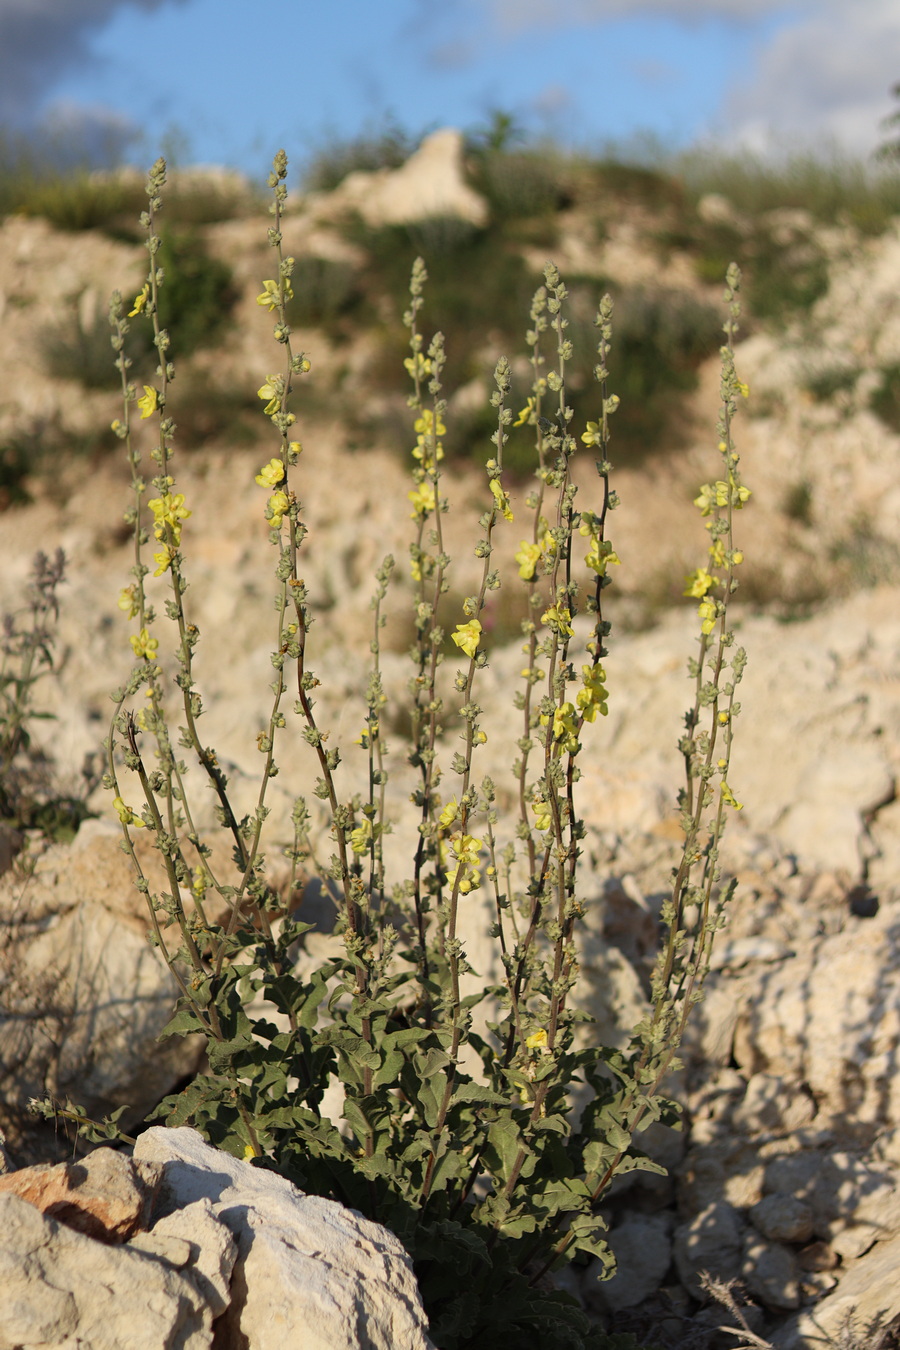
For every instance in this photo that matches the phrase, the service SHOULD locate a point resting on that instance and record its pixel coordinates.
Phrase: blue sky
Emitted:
(229, 81)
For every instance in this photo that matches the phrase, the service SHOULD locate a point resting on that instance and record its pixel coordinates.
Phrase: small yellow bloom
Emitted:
(564, 726)
(168, 513)
(466, 850)
(544, 820)
(729, 798)
(528, 556)
(559, 619)
(466, 637)
(449, 814)
(140, 300)
(163, 560)
(143, 645)
(593, 435)
(128, 601)
(743, 389)
(423, 501)
(271, 474)
(707, 612)
(592, 698)
(698, 583)
(526, 414)
(361, 837)
(418, 366)
(126, 815)
(271, 391)
(269, 297)
(601, 555)
(278, 505)
(149, 403)
(501, 499)
(537, 1040)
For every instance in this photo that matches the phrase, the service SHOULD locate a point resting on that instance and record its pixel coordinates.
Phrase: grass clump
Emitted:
(834, 188)
(457, 1127)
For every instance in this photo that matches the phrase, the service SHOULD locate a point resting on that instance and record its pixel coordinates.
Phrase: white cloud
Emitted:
(517, 14)
(42, 39)
(825, 77)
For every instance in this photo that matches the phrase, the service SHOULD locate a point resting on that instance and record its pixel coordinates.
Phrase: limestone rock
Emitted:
(783, 1218)
(867, 1297)
(61, 1288)
(106, 1196)
(711, 1243)
(303, 1262)
(430, 185)
(83, 996)
(643, 1250)
(770, 1270)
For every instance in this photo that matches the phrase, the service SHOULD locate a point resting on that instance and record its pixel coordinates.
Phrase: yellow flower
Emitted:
(449, 814)
(149, 403)
(528, 557)
(271, 474)
(707, 612)
(128, 601)
(559, 619)
(466, 637)
(271, 391)
(425, 424)
(729, 798)
(564, 727)
(278, 505)
(743, 389)
(592, 698)
(711, 495)
(423, 501)
(163, 560)
(525, 415)
(269, 297)
(361, 837)
(466, 850)
(537, 1040)
(698, 583)
(501, 499)
(418, 366)
(140, 300)
(593, 435)
(143, 645)
(601, 555)
(126, 815)
(544, 820)
(168, 512)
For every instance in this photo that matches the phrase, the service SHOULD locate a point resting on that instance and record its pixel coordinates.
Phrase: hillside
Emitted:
(816, 847)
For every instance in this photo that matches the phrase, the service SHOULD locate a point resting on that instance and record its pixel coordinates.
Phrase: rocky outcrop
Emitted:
(231, 1255)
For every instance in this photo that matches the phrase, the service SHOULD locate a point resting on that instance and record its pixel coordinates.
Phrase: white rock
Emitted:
(710, 1243)
(431, 184)
(304, 1263)
(643, 1250)
(867, 1296)
(63, 1289)
(770, 1269)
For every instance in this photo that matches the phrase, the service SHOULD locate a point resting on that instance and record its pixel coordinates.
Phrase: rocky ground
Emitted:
(785, 1176)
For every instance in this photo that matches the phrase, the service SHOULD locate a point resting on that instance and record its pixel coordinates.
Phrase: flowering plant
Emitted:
(457, 1130)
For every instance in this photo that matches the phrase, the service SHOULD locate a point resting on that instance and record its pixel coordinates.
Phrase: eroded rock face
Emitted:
(106, 1196)
(84, 996)
(303, 1262)
(227, 1244)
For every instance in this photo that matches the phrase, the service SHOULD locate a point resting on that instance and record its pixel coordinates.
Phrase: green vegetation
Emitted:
(458, 1126)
